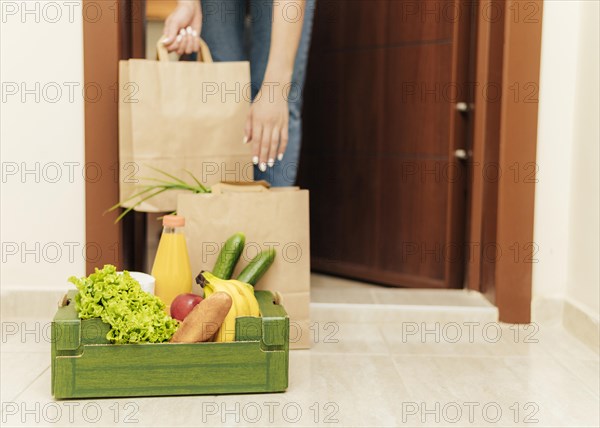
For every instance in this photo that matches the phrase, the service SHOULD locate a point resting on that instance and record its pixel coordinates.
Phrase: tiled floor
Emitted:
(384, 358)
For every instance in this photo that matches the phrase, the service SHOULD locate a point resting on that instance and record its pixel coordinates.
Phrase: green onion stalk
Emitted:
(160, 185)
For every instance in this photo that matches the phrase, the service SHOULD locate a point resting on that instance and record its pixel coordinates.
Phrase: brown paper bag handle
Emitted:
(235, 187)
(277, 298)
(203, 55)
(64, 301)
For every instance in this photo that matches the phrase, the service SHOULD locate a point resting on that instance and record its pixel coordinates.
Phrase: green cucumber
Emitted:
(229, 256)
(257, 267)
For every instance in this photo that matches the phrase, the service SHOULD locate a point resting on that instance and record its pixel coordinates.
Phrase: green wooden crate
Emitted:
(86, 365)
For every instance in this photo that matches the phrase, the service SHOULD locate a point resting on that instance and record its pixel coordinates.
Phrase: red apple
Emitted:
(183, 304)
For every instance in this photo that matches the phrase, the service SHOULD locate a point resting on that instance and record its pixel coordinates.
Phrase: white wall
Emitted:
(584, 231)
(42, 211)
(566, 217)
(554, 146)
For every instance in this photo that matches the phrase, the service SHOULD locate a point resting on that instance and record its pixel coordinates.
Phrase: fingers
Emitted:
(182, 27)
(265, 146)
(170, 32)
(268, 143)
(267, 128)
(183, 41)
(248, 129)
(283, 142)
(275, 135)
(196, 40)
(193, 43)
(174, 44)
(256, 142)
(188, 41)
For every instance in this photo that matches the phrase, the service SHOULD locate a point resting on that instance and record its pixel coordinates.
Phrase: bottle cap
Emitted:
(173, 221)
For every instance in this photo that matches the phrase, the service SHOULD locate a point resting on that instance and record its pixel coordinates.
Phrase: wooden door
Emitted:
(106, 41)
(381, 133)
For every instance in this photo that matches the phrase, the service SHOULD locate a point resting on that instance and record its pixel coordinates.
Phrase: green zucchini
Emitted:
(257, 267)
(229, 256)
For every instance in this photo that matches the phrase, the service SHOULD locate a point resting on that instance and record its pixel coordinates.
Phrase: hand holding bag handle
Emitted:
(203, 55)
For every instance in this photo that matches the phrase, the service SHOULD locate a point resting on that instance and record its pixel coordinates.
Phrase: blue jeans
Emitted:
(234, 32)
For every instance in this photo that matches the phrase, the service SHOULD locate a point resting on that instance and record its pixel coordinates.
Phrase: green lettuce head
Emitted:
(134, 315)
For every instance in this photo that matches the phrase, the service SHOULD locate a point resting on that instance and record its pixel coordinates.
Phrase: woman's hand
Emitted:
(182, 28)
(267, 124)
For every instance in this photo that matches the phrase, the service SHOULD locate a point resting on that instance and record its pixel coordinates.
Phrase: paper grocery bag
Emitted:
(178, 117)
(277, 218)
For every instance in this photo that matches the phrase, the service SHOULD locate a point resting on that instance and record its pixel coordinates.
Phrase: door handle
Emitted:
(461, 154)
(463, 107)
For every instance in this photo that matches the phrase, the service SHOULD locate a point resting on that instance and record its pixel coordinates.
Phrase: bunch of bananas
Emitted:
(243, 303)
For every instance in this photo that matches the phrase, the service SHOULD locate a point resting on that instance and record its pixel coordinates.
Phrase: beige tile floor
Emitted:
(407, 358)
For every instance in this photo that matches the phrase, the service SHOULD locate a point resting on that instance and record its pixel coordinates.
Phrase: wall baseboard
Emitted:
(547, 310)
(582, 325)
(558, 311)
(26, 302)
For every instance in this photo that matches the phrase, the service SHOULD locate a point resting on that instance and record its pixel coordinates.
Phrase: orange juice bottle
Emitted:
(171, 267)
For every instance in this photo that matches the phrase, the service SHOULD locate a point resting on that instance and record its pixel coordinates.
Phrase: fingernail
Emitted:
(182, 32)
(280, 157)
(263, 166)
(255, 160)
(271, 162)
(166, 40)
(189, 30)
(245, 140)
(194, 33)
(178, 38)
